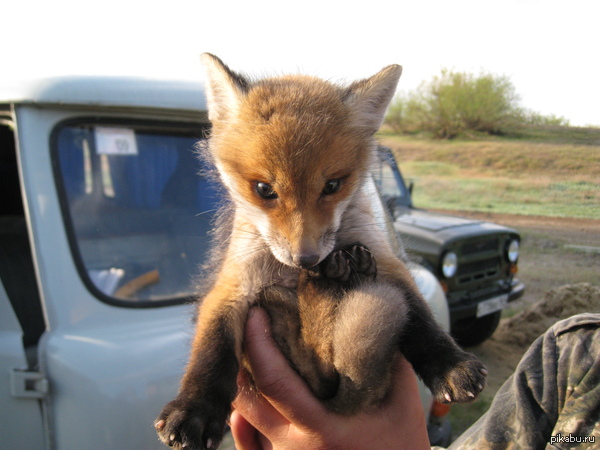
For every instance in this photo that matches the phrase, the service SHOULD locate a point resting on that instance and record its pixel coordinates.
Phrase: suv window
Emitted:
(389, 186)
(390, 183)
(137, 207)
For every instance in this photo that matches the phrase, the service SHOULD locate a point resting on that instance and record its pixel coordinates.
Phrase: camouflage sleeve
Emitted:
(553, 398)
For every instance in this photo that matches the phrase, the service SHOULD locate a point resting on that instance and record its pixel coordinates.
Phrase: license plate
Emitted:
(492, 305)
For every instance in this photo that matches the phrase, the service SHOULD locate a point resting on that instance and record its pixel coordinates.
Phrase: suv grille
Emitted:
(479, 260)
(478, 270)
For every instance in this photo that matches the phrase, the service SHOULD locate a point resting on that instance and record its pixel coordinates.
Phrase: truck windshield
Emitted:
(137, 207)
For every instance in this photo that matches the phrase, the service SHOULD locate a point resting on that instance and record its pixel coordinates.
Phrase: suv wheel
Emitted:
(473, 331)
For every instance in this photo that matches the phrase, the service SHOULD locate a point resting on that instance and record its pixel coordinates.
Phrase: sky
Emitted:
(548, 49)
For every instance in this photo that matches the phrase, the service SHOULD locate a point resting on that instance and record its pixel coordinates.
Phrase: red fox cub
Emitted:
(294, 153)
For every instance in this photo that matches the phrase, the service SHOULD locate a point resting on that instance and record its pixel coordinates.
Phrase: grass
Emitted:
(547, 172)
(540, 196)
(557, 134)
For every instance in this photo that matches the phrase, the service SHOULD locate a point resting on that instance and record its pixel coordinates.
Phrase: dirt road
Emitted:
(586, 230)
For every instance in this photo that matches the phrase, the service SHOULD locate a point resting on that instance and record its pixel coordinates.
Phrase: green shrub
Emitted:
(454, 103)
(395, 116)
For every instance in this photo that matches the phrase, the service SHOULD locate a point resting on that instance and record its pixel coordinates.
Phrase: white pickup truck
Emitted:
(104, 225)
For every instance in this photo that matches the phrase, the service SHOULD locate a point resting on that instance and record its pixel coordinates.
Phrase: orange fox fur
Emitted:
(294, 154)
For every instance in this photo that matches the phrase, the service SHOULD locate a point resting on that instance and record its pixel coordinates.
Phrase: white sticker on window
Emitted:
(115, 141)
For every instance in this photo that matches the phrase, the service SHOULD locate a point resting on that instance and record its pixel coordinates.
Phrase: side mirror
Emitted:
(411, 186)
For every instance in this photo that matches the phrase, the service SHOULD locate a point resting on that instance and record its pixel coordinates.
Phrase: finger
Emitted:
(406, 407)
(405, 400)
(405, 385)
(256, 409)
(244, 434)
(274, 377)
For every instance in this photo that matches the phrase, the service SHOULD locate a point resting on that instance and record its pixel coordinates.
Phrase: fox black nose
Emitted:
(306, 261)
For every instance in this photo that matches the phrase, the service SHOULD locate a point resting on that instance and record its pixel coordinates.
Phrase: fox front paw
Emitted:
(353, 263)
(189, 425)
(462, 383)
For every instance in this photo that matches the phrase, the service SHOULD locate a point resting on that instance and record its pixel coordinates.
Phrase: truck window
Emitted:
(16, 262)
(137, 207)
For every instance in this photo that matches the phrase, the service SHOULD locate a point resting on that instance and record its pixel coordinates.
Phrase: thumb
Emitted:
(273, 376)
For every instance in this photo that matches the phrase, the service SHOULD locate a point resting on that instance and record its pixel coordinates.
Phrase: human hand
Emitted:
(286, 415)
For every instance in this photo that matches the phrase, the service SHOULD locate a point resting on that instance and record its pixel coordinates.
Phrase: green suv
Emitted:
(475, 261)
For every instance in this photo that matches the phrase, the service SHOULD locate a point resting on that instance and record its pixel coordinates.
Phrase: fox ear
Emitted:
(224, 88)
(368, 99)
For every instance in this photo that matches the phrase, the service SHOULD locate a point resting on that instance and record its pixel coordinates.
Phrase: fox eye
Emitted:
(265, 190)
(332, 186)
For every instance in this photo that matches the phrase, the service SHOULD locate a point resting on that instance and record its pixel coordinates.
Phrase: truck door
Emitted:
(22, 387)
(119, 218)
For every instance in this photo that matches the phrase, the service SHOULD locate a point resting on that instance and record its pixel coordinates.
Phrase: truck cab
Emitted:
(105, 219)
